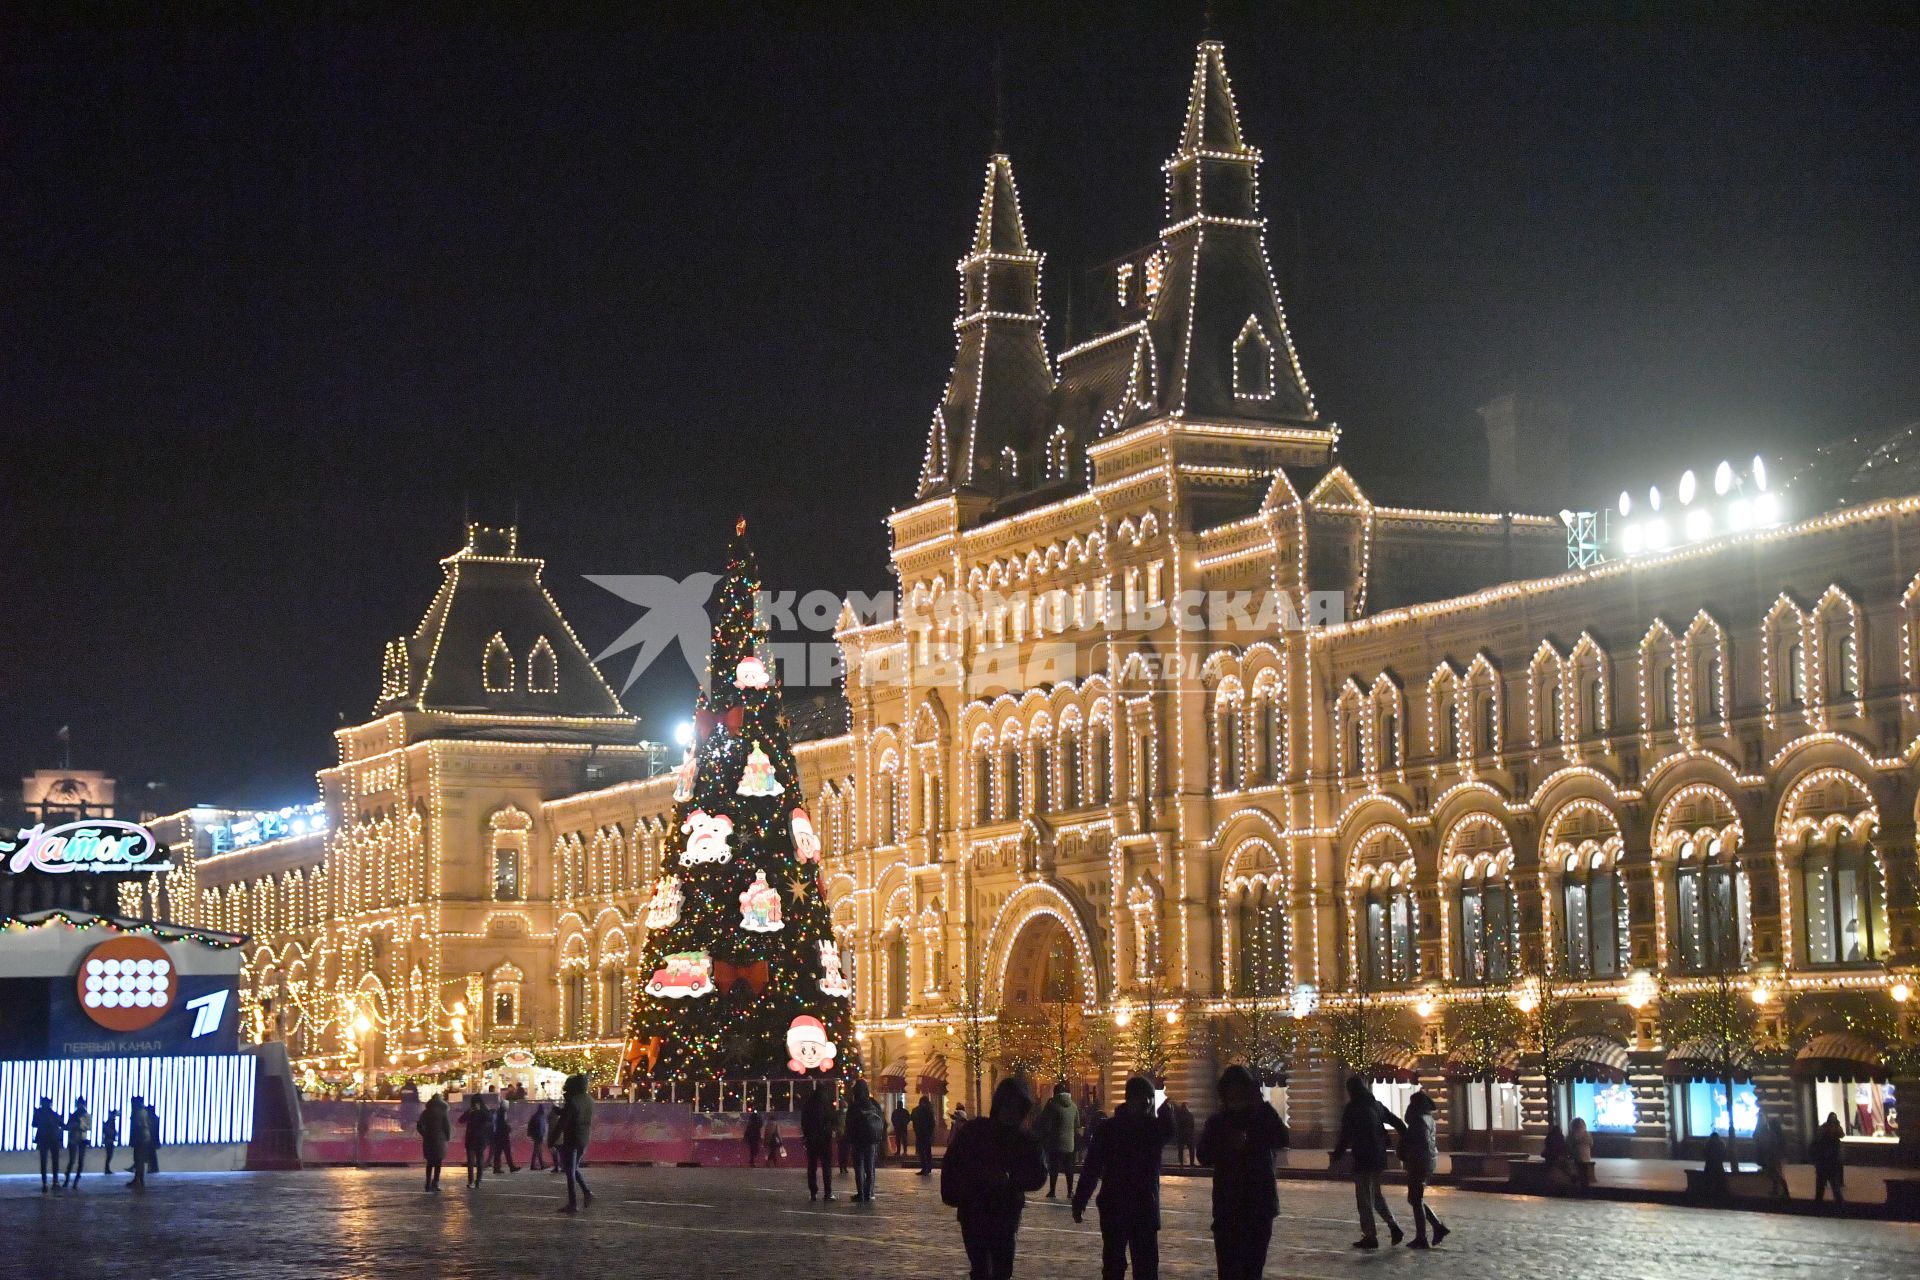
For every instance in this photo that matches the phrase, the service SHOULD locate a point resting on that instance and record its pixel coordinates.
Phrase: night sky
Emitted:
(281, 302)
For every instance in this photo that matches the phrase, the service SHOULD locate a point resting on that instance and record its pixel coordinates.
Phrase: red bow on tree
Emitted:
(704, 722)
(754, 974)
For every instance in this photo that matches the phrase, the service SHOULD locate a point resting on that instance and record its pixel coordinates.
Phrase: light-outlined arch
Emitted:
(1031, 901)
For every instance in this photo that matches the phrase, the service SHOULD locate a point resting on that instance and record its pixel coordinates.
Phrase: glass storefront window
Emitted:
(1506, 1104)
(1607, 1108)
(1394, 1095)
(1705, 1103)
(1865, 1107)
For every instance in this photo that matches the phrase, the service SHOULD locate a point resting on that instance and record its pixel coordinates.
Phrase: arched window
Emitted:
(1099, 763)
(1796, 672)
(1487, 714)
(897, 984)
(1072, 795)
(886, 795)
(1710, 899)
(1485, 938)
(1226, 741)
(543, 670)
(496, 668)
(1042, 773)
(1252, 362)
(613, 1002)
(1845, 912)
(1012, 780)
(504, 996)
(1593, 934)
(509, 829)
(1709, 702)
(1387, 902)
(982, 782)
(573, 1001)
(1259, 938)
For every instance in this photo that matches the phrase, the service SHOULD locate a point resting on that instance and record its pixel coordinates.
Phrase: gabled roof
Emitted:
(493, 642)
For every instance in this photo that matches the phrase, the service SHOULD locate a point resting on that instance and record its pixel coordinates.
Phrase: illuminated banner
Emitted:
(197, 1100)
(95, 844)
(127, 1000)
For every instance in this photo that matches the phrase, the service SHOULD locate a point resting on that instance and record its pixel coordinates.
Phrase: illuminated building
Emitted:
(1697, 755)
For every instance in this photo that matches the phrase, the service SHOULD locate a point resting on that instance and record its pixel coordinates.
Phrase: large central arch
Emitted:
(1040, 908)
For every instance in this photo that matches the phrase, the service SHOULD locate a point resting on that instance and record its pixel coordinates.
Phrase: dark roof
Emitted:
(824, 714)
(493, 642)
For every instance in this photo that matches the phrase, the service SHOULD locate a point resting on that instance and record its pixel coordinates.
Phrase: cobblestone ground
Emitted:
(682, 1223)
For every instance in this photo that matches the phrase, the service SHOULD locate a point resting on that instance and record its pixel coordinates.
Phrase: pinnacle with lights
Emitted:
(742, 975)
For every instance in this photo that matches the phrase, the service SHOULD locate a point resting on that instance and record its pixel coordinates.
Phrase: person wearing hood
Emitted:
(924, 1122)
(143, 1135)
(1123, 1162)
(865, 1132)
(1419, 1153)
(1362, 1135)
(435, 1128)
(1238, 1143)
(1828, 1168)
(79, 1134)
(46, 1137)
(902, 1121)
(537, 1135)
(503, 1137)
(576, 1129)
(476, 1125)
(109, 1138)
(990, 1166)
(819, 1119)
(1059, 1132)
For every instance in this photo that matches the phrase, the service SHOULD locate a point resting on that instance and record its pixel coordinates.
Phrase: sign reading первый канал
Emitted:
(101, 845)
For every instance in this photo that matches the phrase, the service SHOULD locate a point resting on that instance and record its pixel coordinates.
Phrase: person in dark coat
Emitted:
(990, 1166)
(576, 1130)
(153, 1146)
(476, 1125)
(502, 1145)
(819, 1123)
(1058, 1129)
(46, 1137)
(1361, 1136)
(1419, 1153)
(1824, 1154)
(865, 1133)
(435, 1128)
(109, 1138)
(553, 1138)
(1123, 1163)
(1238, 1143)
(1183, 1131)
(924, 1122)
(902, 1120)
(79, 1136)
(537, 1136)
(751, 1135)
(143, 1135)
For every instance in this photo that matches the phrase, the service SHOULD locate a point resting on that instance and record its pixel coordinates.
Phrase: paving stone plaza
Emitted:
(671, 1223)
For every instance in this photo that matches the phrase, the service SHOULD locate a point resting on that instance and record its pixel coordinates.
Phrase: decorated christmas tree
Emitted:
(741, 975)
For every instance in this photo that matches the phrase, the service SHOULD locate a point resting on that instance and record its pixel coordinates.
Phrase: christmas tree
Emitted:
(742, 978)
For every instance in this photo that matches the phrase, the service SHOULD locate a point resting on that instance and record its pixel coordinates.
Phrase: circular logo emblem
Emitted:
(127, 983)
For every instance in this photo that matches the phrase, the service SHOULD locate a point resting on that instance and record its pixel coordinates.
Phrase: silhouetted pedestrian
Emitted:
(1239, 1142)
(109, 1139)
(776, 1145)
(1713, 1169)
(1361, 1136)
(1420, 1153)
(1828, 1168)
(476, 1124)
(750, 1134)
(46, 1137)
(819, 1122)
(79, 1135)
(503, 1138)
(864, 1133)
(537, 1137)
(576, 1131)
(143, 1135)
(153, 1143)
(435, 1128)
(1123, 1162)
(902, 1120)
(924, 1123)
(1770, 1146)
(1058, 1129)
(553, 1138)
(990, 1166)
(1183, 1132)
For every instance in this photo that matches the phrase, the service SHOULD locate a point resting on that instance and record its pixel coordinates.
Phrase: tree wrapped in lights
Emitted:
(741, 976)
(1718, 1025)
(1360, 1035)
(1482, 1034)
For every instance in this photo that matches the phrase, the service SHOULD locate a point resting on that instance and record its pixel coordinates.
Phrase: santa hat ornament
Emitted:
(808, 1048)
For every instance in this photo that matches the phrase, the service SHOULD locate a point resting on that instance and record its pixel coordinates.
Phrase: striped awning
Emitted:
(1507, 1067)
(1839, 1055)
(1593, 1058)
(1695, 1060)
(893, 1077)
(934, 1078)
(1400, 1066)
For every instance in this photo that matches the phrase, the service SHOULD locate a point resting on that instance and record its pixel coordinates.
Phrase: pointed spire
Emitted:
(999, 229)
(1213, 124)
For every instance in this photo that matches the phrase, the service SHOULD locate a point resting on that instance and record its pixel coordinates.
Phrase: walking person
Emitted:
(990, 1166)
(503, 1137)
(864, 1133)
(1183, 1132)
(576, 1130)
(776, 1146)
(1420, 1153)
(435, 1128)
(79, 1134)
(1238, 1143)
(1828, 1168)
(819, 1119)
(153, 1139)
(1059, 1132)
(1123, 1162)
(109, 1138)
(537, 1136)
(476, 1124)
(924, 1121)
(1361, 1136)
(902, 1120)
(750, 1133)
(143, 1136)
(553, 1138)
(1771, 1148)
(47, 1132)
